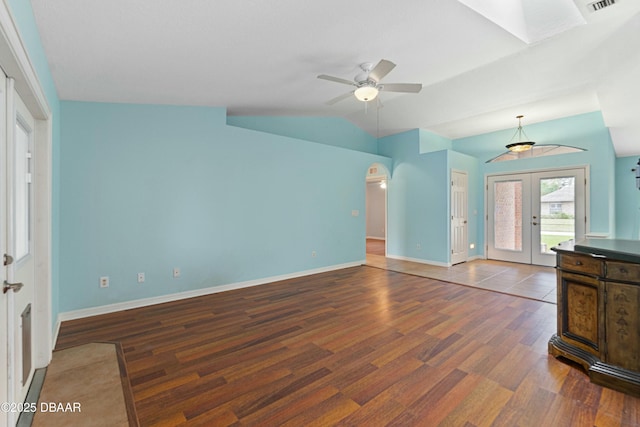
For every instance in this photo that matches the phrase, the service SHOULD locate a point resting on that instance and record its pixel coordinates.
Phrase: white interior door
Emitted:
(528, 214)
(459, 223)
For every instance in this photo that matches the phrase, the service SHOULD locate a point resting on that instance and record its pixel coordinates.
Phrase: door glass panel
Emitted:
(507, 218)
(22, 191)
(557, 212)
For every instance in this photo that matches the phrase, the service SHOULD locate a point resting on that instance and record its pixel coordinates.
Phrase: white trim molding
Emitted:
(127, 305)
(16, 63)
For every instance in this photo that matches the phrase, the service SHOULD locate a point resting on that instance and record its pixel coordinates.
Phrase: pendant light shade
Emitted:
(518, 147)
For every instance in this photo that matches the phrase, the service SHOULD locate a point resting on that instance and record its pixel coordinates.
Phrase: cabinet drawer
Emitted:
(581, 263)
(623, 271)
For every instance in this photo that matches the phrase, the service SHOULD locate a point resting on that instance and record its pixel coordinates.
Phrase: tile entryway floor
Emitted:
(529, 281)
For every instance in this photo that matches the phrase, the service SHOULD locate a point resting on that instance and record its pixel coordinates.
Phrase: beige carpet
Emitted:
(86, 386)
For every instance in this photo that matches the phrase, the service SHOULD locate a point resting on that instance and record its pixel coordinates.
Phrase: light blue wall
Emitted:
(148, 188)
(25, 21)
(417, 195)
(584, 131)
(627, 199)
(430, 142)
(325, 130)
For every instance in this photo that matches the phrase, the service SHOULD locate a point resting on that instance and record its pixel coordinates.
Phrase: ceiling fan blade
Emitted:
(339, 98)
(383, 68)
(402, 87)
(336, 79)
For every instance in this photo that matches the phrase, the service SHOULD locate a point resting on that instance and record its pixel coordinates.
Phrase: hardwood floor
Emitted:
(359, 346)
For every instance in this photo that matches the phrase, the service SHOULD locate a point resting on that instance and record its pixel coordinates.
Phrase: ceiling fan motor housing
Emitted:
(366, 68)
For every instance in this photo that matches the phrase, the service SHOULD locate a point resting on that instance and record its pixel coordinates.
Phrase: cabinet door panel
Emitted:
(582, 302)
(623, 342)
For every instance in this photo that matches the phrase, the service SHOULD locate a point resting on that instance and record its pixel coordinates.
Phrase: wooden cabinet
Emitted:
(598, 317)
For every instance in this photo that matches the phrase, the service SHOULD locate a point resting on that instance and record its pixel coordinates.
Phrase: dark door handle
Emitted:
(6, 287)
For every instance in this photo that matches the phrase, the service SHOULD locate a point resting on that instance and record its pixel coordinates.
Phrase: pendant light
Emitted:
(520, 145)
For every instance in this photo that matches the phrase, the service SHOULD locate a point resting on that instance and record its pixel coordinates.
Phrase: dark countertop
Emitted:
(616, 249)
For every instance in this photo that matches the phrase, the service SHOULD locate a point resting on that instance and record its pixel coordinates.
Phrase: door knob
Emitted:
(8, 259)
(11, 286)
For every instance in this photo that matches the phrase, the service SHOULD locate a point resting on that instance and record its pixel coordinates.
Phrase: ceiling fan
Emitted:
(368, 83)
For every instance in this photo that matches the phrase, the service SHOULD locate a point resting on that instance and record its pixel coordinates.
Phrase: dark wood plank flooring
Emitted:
(359, 346)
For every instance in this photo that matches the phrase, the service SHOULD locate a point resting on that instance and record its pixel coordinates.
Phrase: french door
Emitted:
(529, 213)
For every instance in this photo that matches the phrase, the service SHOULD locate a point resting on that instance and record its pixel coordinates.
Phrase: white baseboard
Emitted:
(55, 333)
(127, 305)
(421, 261)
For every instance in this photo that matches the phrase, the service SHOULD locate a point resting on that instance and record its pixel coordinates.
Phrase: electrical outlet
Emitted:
(418, 246)
(140, 277)
(313, 254)
(104, 282)
(176, 272)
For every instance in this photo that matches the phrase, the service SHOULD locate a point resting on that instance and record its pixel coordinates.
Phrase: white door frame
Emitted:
(15, 62)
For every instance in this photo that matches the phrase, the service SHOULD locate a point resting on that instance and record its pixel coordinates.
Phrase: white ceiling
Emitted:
(480, 65)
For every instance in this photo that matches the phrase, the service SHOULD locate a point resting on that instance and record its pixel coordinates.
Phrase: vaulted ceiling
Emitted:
(481, 63)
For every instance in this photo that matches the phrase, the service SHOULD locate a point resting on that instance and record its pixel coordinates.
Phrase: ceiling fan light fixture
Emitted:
(366, 93)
